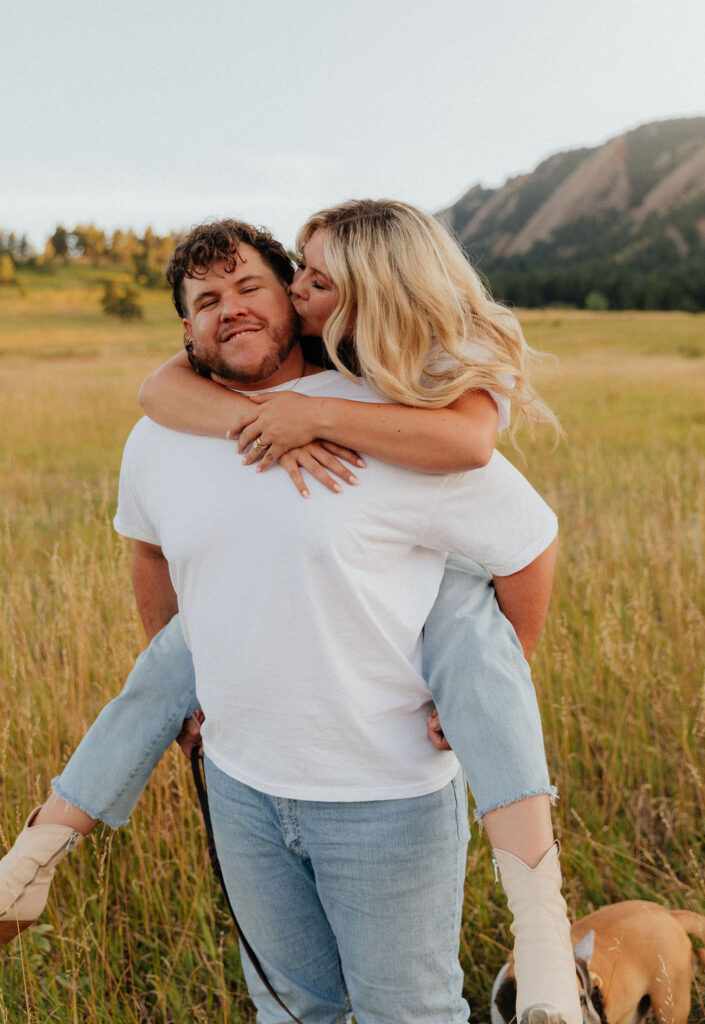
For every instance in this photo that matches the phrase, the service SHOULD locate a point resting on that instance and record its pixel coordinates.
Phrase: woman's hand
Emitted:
(435, 732)
(285, 430)
(319, 459)
(284, 421)
(190, 735)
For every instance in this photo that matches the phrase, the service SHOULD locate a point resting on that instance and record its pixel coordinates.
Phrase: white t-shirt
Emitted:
(440, 360)
(304, 617)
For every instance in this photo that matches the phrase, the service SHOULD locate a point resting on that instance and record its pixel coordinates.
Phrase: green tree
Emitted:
(90, 242)
(59, 242)
(150, 260)
(123, 247)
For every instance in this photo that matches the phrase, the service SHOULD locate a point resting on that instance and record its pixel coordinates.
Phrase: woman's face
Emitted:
(312, 292)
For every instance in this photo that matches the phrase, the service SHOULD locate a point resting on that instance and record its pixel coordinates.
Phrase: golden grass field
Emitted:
(135, 931)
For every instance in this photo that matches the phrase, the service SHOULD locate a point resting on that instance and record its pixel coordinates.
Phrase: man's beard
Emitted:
(212, 364)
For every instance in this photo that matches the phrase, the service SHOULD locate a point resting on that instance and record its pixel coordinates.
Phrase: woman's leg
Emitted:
(115, 759)
(481, 684)
(105, 776)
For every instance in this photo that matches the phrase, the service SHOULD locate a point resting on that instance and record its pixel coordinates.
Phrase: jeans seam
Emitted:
(347, 1008)
(458, 803)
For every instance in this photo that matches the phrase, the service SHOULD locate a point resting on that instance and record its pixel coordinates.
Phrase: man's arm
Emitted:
(525, 595)
(154, 593)
(157, 605)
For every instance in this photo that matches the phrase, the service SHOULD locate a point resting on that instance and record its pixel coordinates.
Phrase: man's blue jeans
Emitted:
(347, 905)
(473, 663)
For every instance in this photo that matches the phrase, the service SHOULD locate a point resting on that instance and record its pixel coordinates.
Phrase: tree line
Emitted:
(143, 255)
(602, 286)
(660, 283)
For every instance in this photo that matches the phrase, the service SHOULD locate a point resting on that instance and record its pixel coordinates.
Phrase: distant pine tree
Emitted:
(59, 242)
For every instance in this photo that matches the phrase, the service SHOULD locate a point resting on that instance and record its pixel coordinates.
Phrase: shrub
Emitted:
(596, 301)
(121, 300)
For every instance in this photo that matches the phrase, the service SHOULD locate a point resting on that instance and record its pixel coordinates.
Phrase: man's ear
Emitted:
(188, 345)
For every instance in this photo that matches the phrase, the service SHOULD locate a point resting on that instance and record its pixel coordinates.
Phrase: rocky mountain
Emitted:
(631, 207)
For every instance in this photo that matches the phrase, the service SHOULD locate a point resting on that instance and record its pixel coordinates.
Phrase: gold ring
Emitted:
(259, 443)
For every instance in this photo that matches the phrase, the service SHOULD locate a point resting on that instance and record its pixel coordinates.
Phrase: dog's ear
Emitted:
(585, 948)
(591, 1002)
(504, 998)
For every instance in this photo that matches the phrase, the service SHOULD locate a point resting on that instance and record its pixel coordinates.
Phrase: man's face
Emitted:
(243, 326)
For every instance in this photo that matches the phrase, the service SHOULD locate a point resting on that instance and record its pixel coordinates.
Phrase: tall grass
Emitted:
(134, 931)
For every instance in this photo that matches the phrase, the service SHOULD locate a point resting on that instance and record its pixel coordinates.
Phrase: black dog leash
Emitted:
(200, 781)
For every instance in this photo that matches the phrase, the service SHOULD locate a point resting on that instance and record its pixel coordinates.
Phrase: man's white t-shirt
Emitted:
(305, 617)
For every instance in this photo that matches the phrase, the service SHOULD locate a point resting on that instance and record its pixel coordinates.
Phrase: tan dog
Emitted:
(630, 957)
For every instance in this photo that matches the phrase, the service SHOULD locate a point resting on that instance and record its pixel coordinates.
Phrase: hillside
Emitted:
(622, 223)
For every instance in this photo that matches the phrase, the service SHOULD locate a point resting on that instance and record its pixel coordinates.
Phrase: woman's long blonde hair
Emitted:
(415, 303)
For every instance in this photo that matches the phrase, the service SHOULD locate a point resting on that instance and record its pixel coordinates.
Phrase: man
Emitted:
(340, 829)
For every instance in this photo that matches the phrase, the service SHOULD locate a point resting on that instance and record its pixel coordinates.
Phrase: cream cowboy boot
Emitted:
(26, 872)
(544, 966)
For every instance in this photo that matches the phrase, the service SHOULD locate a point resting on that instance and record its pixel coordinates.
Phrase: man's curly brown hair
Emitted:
(221, 240)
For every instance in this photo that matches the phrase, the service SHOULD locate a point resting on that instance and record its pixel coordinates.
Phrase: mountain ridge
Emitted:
(635, 202)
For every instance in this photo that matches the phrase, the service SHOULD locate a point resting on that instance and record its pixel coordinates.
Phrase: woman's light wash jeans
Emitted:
(350, 906)
(473, 663)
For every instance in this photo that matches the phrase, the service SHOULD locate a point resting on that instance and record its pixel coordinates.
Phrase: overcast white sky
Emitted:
(167, 112)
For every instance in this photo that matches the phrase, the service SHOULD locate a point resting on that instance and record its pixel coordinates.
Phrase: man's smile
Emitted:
(243, 327)
(237, 332)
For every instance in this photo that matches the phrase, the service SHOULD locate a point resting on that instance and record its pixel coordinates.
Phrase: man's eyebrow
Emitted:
(208, 293)
(205, 294)
(248, 278)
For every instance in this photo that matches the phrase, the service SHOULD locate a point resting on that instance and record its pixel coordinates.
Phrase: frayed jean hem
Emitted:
(550, 791)
(91, 812)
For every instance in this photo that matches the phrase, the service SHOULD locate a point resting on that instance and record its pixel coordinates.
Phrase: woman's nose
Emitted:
(297, 288)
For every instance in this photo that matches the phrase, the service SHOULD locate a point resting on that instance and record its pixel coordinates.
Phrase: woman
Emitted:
(387, 280)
